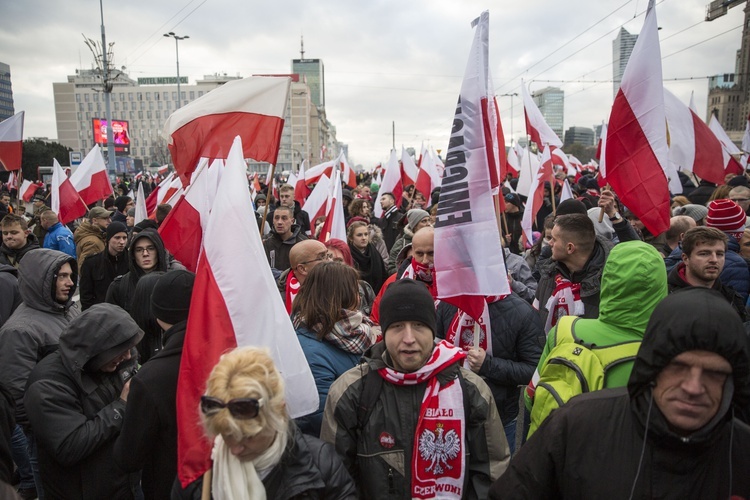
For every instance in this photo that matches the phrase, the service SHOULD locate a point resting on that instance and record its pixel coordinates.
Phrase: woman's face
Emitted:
(366, 209)
(745, 245)
(250, 448)
(335, 255)
(361, 238)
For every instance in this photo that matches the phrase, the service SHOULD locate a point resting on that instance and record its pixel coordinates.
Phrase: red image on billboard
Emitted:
(120, 132)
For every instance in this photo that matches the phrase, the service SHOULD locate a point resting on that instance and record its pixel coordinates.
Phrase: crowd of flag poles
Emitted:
(212, 229)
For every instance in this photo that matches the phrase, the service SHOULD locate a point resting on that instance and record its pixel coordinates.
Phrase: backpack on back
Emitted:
(574, 367)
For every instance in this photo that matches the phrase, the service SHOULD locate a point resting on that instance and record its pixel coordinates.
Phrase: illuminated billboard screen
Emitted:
(120, 131)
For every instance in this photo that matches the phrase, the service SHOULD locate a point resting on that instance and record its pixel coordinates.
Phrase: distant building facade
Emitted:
(622, 47)
(579, 135)
(6, 93)
(551, 103)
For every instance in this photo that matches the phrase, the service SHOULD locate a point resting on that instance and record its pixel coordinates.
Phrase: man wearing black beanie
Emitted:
(99, 270)
(148, 440)
(410, 400)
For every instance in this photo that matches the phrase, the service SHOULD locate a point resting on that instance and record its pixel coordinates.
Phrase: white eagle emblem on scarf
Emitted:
(439, 449)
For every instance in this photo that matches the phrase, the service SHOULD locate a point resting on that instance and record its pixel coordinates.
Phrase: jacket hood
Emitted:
(693, 319)
(87, 229)
(151, 234)
(634, 281)
(97, 336)
(37, 276)
(5, 268)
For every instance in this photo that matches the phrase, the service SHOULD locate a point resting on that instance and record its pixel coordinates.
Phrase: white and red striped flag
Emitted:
(11, 142)
(731, 152)
(469, 264)
(316, 203)
(90, 178)
(536, 127)
(66, 202)
(27, 190)
(334, 226)
(313, 174)
(253, 107)
(220, 318)
(391, 183)
(409, 169)
(347, 172)
(636, 149)
(428, 178)
(301, 191)
(535, 198)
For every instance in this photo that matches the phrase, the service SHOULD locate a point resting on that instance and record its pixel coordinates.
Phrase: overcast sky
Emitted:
(385, 60)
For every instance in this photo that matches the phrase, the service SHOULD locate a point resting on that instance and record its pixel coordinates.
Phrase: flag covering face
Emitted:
(66, 202)
(636, 149)
(11, 142)
(90, 178)
(253, 106)
(469, 262)
(221, 317)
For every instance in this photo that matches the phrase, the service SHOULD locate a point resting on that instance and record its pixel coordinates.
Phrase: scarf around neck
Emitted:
(438, 463)
(424, 273)
(353, 333)
(461, 330)
(290, 290)
(564, 301)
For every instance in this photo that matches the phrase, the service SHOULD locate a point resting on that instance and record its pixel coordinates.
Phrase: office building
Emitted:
(551, 103)
(579, 135)
(6, 93)
(622, 47)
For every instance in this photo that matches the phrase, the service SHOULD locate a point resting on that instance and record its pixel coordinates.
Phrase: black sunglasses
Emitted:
(241, 408)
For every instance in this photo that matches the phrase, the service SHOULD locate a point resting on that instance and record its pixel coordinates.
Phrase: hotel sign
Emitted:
(162, 80)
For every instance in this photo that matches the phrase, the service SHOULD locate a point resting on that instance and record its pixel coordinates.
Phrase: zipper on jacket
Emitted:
(391, 486)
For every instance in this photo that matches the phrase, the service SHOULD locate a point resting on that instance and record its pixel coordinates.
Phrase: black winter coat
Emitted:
(148, 439)
(7, 426)
(97, 273)
(309, 469)
(13, 257)
(516, 329)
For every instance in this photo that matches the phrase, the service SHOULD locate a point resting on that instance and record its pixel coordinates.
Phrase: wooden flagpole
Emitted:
(206, 488)
(601, 210)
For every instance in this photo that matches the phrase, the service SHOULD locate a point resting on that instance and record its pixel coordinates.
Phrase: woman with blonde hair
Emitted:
(258, 451)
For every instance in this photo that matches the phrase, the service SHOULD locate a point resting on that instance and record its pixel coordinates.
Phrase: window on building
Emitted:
(160, 105)
(90, 107)
(139, 96)
(140, 115)
(157, 96)
(169, 104)
(117, 106)
(143, 151)
(158, 115)
(151, 151)
(80, 106)
(182, 96)
(174, 96)
(98, 107)
(132, 115)
(130, 96)
(200, 93)
(80, 116)
(78, 97)
(148, 114)
(148, 96)
(165, 96)
(151, 105)
(122, 96)
(86, 97)
(96, 97)
(85, 144)
(192, 95)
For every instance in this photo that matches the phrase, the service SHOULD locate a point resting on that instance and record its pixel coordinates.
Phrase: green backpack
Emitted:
(574, 367)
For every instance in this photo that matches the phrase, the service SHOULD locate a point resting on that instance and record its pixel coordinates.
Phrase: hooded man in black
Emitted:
(100, 270)
(689, 382)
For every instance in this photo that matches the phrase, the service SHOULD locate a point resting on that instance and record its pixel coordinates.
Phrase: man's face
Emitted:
(260, 203)
(120, 358)
(366, 193)
(145, 254)
(741, 198)
(316, 255)
(287, 199)
(386, 202)
(409, 344)
(101, 222)
(130, 205)
(558, 245)
(38, 204)
(5, 200)
(689, 389)
(282, 222)
(14, 237)
(705, 263)
(117, 243)
(64, 283)
(130, 220)
(745, 245)
(422, 247)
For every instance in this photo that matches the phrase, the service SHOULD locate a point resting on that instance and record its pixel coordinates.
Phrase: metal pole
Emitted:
(111, 163)
(177, 54)
(393, 132)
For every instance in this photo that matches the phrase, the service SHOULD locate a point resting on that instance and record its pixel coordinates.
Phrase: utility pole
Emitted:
(514, 94)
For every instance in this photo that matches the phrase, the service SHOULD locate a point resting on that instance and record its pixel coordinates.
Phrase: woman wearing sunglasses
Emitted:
(258, 451)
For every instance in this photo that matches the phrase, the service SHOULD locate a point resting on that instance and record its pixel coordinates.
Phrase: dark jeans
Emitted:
(20, 452)
(34, 461)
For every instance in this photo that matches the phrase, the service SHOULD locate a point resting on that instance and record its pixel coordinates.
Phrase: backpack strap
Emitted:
(564, 330)
(372, 385)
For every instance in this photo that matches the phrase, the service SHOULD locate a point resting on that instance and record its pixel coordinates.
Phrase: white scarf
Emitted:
(235, 479)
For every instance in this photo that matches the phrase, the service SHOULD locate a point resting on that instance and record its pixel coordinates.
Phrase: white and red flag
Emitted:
(535, 199)
(155, 198)
(469, 264)
(27, 190)
(220, 318)
(140, 205)
(315, 205)
(732, 153)
(636, 154)
(428, 178)
(513, 163)
(11, 142)
(391, 183)
(409, 169)
(313, 174)
(252, 107)
(529, 168)
(347, 172)
(90, 178)
(66, 202)
(301, 191)
(536, 127)
(334, 226)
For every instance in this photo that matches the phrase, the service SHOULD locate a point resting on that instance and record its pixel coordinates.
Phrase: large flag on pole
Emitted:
(301, 191)
(428, 177)
(391, 183)
(11, 142)
(220, 318)
(90, 178)
(469, 263)
(253, 107)
(140, 205)
(66, 202)
(27, 190)
(535, 198)
(537, 128)
(334, 226)
(636, 154)
(732, 153)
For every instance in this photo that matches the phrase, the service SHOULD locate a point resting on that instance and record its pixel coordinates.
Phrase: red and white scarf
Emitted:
(565, 301)
(461, 330)
(438, 459)
(291, 290)
(424, 273)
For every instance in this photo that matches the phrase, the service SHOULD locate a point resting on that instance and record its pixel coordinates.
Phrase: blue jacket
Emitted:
(60, 238)
(673, 258)
(735, 273)
(327, 363)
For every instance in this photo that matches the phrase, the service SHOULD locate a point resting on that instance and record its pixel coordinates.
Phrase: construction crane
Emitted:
(719, 8)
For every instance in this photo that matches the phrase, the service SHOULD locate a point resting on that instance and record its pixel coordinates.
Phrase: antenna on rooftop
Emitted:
(301, 47)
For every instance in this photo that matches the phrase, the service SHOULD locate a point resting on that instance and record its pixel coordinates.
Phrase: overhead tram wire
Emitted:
(159, 29)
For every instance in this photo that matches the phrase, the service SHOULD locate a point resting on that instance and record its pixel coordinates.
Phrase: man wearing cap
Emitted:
(90, 237)
(674, 432)
(727, 216)
(416, 219)
(101, 269)
(148, 439)
(696, 212)
(76, 400)
(410, 422)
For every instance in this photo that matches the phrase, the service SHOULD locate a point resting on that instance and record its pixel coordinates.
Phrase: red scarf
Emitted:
(438, 459)
(461, 331)
(291, 290)
(565, 301)
(424, 273)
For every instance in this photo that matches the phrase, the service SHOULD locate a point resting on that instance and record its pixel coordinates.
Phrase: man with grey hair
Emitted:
(741, 196)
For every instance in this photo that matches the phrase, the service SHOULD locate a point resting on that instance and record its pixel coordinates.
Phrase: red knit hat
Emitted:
(726, 216)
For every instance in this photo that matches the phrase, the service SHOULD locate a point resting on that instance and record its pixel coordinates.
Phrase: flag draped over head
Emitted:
(391, 183)
(66, 202)
(536, 127)
(536, 194)
(90, 178)
(731, 152)
(636, 153)
(469, 263)
(334, 226)
(252, 107)
(220, 318)
(11, 142)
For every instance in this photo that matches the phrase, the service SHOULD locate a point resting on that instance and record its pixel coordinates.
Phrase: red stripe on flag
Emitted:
(182, 233)
(99, 188)
(10, 155)
(709, 157)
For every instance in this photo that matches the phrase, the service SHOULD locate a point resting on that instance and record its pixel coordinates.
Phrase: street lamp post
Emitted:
(177, 54)
(514, 94)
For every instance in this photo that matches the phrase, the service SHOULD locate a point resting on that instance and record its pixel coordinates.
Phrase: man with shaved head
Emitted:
(672, 251)
(741, 196)
(302, 258)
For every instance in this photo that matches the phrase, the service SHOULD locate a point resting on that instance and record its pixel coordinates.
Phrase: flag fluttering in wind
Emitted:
(428, 178)
(636, 150)
(252, 107)
(537, 128)
(535, 198)
(301, 191)
(469, 264)
(27, 190)
(220, 318)
(334, 226)
(140, 205)
(90, 178)
(347, 172)
(11, 142)
(66, 202)
(391, 183)
(732, 153)
(315, 206)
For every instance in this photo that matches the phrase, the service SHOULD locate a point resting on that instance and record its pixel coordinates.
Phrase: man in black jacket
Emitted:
(390, 221)
(17, 240)
(100, 270)
(672, 434)
(75, 400)
(148, 440)
(286, 199)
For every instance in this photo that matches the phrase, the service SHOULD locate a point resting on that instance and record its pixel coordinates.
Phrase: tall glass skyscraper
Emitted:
(622, 46)
(551, 103)
(6, 93)
(311, 71)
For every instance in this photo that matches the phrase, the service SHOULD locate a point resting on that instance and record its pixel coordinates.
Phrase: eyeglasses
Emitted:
(321, 257)
(739, 199)
(150, 249)
(241, 408)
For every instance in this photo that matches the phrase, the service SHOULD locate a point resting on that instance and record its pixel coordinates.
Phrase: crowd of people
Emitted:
(617, 366)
